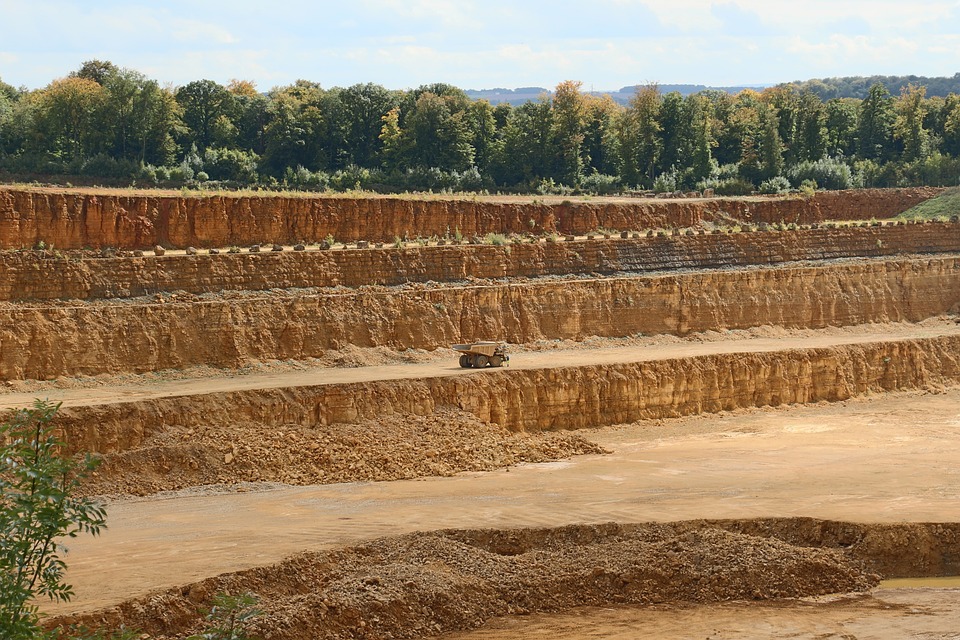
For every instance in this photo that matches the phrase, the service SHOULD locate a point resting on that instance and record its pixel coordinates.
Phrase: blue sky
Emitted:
(474, 44)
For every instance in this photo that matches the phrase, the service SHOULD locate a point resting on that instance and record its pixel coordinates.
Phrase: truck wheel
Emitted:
(481, 361)
(496, 361)
(465, 361)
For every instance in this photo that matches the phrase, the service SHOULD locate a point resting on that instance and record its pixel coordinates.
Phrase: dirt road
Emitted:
(642, 350)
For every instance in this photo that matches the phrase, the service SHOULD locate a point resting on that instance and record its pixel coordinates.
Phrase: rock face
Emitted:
(546, 399)
(72, 220)
(45, 275)
(39, 341)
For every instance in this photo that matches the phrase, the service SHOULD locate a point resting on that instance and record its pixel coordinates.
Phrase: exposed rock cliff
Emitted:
(54, 339)
(72, 220)
(45, 275)
(546, 399)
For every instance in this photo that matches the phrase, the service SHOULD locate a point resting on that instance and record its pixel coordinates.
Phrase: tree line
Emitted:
(115, 124)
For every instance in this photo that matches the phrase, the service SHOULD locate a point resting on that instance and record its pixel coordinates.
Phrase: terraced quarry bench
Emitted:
(290, 400)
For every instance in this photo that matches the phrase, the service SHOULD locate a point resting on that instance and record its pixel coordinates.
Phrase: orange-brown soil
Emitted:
(292, 424)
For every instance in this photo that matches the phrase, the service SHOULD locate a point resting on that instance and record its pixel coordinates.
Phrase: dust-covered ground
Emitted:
(885, 459)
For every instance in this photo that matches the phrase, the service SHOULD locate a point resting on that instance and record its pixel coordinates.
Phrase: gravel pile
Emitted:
(424, 584)
(390, 448)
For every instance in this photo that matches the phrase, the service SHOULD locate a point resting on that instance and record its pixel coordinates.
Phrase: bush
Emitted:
(231, 164)
(775, 185)
(104, 166)
(350, 178)
(666, 182)
(228, 618)
(601, 184)
(303, 178)
(37, 508)
(829, 173)
(727, 187)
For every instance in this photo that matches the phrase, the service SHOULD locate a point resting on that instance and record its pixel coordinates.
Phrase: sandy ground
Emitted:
(925, 614)
(885, 459)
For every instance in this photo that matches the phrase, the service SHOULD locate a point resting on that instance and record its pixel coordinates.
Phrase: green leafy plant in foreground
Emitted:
(37, 510)
(228, 618)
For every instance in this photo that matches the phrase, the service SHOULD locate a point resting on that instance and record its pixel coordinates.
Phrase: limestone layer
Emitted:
(39, 341)
(547, 399)
(45, 275)
(77, 219)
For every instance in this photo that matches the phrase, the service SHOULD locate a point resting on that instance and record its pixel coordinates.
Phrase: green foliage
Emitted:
(601, 184)
(228, 618)
(496, 239)
(108, 122)
(37, 509)
(828, 173)
(808, 188)
(666, 182)
(775, 185)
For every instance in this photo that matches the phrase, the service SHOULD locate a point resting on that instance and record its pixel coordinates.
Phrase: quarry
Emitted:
(726, 416)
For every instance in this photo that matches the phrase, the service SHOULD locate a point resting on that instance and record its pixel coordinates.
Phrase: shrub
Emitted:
(228, 618)
(775, 185)
(665, 182)
(601, 184)
(37, 509)
(829, 173)
(231, 164)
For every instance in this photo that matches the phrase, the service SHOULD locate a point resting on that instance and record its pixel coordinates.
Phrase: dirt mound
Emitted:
(388, 448)
(424, 584)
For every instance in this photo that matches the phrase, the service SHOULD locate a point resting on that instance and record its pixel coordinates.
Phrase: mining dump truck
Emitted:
(482, 354)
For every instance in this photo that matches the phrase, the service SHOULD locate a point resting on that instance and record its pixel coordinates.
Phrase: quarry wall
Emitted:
(548, 399)
(45, 275)
(59, 339)
(75, 219)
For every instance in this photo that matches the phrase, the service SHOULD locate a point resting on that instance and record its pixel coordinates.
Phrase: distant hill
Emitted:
(623, 95)
(858, 86)
(825, 88)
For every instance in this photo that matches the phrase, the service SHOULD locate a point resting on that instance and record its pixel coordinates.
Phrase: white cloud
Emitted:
(196, 31)
(879, 15)
(450, 13)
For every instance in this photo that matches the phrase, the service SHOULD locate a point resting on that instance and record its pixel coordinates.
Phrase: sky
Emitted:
(481, 44)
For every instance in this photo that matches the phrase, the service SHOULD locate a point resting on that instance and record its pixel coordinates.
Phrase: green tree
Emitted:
(810, 141)
(439, 133)
(293, 136)
(38, 507)
(908, 126)
(770, 145)
(137, 120)
(208, 111)
(598, 142)
(569, 115)
(699, 118)
(785, 102)
(951, 125)
(841, 124)
(875, 132)
(638, 137)
(674, 133)
(392, 140)
(482, 123)
(96, 70)
(66, 116)
(357, 123)
(528, 151)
